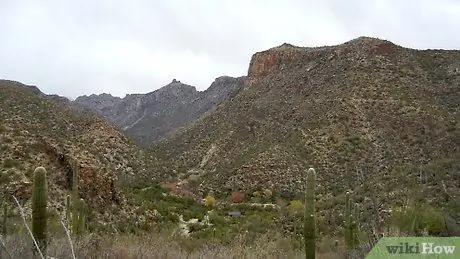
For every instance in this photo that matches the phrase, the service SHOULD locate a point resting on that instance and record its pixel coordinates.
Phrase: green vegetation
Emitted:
(210, 201)
(310, 218)
(5, 219)
(76, 209)
(39, 208)
(418, 218)
(352, 121)
(351, 223)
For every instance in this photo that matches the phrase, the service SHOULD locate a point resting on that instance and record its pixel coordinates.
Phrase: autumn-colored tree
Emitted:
(210, 201)
(238, 197)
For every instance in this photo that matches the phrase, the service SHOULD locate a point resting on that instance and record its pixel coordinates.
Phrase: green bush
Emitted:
(217, 219)
(10, 163)
(296, 207)
(418, 217)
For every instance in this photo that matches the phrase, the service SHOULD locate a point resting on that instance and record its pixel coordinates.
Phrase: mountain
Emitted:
(46, 130)
(152, 116)
(370, 116)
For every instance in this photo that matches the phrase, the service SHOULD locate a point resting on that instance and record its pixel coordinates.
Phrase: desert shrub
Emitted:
(195, 227)
(10, 163)
(7, 139)
(256, 223)
(419, 217)
(256, 197)
(268, 193)
(217, 219)
(237, 197)
(4, 177)
(296, 206)
(280, 202)
(210, 201)
(286, 194)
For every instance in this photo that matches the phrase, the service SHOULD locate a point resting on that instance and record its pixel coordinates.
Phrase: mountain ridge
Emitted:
(376, 119)
(151, 116)
(364, 113)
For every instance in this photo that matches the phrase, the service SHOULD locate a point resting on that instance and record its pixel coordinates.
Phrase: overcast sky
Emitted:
(81, 47)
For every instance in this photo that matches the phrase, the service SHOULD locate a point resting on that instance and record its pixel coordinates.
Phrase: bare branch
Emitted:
(68, 236)
(4, 247)
(21, 210)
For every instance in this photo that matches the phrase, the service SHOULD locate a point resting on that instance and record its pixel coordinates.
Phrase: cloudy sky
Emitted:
(93, 46)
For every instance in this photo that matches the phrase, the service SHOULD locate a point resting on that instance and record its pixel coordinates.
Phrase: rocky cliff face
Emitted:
(102, 103)
(289, 57)
(149, 117)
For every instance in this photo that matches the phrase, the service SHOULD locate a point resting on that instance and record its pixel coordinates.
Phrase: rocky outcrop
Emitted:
(274, 59)
(288, 57)
(96, 183)
(103, 102)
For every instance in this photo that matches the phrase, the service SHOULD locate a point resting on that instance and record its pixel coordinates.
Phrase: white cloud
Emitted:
(83, 47)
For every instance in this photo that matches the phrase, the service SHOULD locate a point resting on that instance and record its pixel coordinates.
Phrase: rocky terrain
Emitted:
(152, 116)
(372, 117)
(41, 130)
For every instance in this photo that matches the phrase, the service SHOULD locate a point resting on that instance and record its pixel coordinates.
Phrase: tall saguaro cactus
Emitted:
(310, 222)
(78, 217)
(68, 208)
(75, 211)
(351, 225)
(39, 207)
(4, 219)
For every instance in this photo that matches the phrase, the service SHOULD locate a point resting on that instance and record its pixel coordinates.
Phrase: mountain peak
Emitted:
(287, 55)
(31, 88)
(151, 116)
(285, 46)
(175, 86)
(368, 40)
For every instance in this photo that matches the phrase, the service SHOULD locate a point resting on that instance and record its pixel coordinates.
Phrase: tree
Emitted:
(238, 197)
(210, 201)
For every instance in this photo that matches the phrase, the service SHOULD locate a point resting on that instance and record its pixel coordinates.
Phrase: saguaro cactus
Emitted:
(39, 204)
(78, 216)
(68, 208)
(310, 223)
(76, 208)
(4, 219)
(350, 223)
(376, 204)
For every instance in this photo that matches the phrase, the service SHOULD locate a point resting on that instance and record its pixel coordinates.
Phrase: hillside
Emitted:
(374, 118)
(371, 116)
(152, 116)
(42, 130)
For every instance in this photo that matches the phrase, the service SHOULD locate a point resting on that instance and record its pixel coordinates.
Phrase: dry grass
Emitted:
(160, 246)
